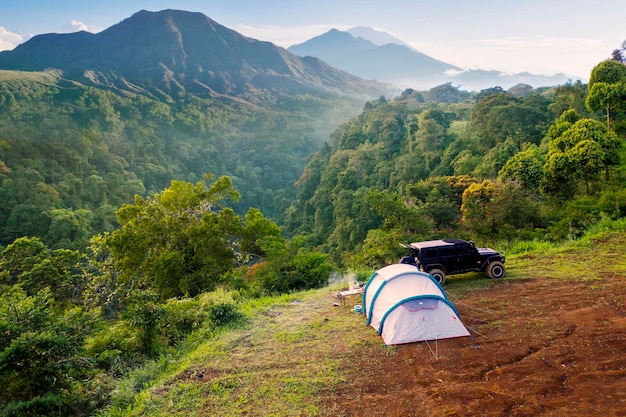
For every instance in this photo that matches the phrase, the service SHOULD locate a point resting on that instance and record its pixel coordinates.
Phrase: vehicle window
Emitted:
(464, 250)
(446, 252)
(428, 253)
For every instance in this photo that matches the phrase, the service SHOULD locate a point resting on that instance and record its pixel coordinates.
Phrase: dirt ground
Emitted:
(538, 348)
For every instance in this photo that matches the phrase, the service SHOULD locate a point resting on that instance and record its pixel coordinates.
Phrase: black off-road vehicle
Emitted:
(453, 256)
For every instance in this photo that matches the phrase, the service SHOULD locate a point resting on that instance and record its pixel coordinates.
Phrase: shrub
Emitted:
(223, 313)
(114, 348)
(143, 312)
(305, 270)
(180, 318)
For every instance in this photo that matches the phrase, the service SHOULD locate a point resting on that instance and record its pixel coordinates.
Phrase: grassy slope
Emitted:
(14, 78)
(290, 353)
(295, 352)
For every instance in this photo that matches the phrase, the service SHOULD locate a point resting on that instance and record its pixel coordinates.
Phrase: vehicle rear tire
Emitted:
(439, 275)
(495, 269)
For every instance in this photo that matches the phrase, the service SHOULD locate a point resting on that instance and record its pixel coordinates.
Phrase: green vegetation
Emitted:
(287, 357)
(133, 283)
(492, 167)
(279, 361)
(72, 324)
(70, 155)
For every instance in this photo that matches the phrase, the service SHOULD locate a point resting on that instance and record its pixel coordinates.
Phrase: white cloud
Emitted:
(8, 39)
(74, 26)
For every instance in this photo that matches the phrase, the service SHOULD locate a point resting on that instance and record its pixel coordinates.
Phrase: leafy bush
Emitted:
(42, 360)
(48, 404)
(115, 347)
(223, 313)
(613, 203)
(605, 225)
(380, 248)
(180, 318)
(305, 270)
(575, 217)
(143, 313)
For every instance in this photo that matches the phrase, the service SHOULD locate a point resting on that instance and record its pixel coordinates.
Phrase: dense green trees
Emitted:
(582, 151)
(519, 162)
(500, 209)
(70, 155)
(183, 240)
(525, 168)
(29, 263)
(386, 168)
(70, 323)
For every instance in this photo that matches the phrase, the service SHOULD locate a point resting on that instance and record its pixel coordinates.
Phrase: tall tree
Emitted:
(607, 89)
(29, 263)
(580, 152)
(495, 209)
(525, 168)
(180, 241)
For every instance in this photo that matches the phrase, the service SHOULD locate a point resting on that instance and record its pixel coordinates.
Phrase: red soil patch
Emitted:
(538, 348)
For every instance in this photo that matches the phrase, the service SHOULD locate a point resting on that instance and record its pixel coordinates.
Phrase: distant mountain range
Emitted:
(170, 53)
(377, 55)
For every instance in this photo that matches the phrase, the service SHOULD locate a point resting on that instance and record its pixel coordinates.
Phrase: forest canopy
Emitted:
(494, 166)
(70, 155)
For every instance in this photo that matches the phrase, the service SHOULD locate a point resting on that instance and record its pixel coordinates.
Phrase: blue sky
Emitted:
(538, 36)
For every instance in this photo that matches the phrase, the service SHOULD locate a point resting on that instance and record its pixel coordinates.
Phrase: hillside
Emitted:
(85, 150)
(479, 166)
(96, 118)
(549, 339)
(131, 286)
(159, 96)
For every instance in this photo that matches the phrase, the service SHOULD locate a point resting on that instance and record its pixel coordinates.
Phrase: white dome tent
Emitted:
(405, 305)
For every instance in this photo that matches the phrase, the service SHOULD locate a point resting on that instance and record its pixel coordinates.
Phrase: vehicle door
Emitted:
(448, 259)
(466, 257)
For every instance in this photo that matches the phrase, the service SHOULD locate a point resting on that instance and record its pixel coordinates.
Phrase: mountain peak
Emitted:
(392, 61)
(375, 36)
(334, 42)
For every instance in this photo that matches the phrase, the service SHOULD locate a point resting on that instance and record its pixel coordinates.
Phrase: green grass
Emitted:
(19, 77)
(290, 351)
(576, 260)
